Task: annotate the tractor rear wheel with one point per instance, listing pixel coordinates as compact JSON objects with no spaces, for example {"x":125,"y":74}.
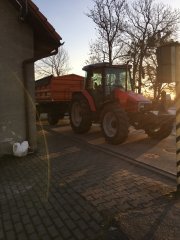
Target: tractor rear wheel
{"x":114,"y":124}
{"x":80,"y":115}
{"x":160,"y":132}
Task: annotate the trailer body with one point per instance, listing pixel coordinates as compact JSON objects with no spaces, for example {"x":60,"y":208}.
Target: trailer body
{"x":53,"y":95}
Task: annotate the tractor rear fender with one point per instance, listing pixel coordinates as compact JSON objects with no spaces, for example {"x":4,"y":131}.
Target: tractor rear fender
{"x":88,"y":98}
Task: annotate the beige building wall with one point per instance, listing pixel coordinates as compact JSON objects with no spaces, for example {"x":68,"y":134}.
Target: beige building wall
{"x":16,"y":45}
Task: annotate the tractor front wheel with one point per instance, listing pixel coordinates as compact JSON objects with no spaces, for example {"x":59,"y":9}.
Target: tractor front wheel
{"x":114,"y":124}
{"x":160,"y":132}
{"x":80,"y":115}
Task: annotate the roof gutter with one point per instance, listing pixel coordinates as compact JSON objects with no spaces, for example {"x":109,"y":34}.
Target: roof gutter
{"x":23,"y":10}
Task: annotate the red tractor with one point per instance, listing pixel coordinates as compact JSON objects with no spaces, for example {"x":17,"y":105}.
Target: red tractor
{"x":108,"y":98}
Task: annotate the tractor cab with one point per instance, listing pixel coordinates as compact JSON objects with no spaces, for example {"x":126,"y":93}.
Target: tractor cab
{"x":102,"y":79}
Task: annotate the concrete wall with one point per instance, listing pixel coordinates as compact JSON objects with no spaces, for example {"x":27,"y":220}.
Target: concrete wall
{"x":16,"y":45}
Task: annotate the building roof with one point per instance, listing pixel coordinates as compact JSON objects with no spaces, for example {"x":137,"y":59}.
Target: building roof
{"x":46,"y":39}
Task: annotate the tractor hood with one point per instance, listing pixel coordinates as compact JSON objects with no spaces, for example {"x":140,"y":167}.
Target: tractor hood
{"x":137,"y":97}
{"x":131,"y":101}
{"x":137,"y":102}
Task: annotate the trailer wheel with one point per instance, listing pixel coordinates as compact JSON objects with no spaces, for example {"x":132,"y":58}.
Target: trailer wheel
{"x":160,"y":132}
{"x":53,"y":118}
{"x":80,"y":115}
{"x":114,"y":124}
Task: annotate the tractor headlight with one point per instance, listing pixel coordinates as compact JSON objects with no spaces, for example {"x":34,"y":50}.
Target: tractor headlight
{"x":144,"y":106}
{"x":140,"y":106}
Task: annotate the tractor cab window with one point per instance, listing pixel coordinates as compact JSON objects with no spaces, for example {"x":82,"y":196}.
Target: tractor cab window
{"x":94,"y":81}
{"x":116,"y":78}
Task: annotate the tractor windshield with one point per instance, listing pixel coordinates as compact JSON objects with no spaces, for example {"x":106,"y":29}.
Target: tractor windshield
{"x":118,"y":77}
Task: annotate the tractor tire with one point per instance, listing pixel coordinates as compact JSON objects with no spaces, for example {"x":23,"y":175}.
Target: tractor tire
{"x":53,"y":118}
{"x":114,"y":124}
{"x":80,"y":115}
{"x":160,"y":132}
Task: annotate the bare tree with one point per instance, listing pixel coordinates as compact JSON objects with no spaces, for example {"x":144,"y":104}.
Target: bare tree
{"x":108,"y":15}
{"x":132,"y":36}
{"x":56,"y":65}
{"x":96,"y":52}
{"x":150,"y":24}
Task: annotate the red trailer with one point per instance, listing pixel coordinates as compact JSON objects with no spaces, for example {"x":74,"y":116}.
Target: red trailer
{"x":53,"y":95}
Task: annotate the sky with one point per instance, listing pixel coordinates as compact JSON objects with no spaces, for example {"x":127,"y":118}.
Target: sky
{"x":69,"y":19}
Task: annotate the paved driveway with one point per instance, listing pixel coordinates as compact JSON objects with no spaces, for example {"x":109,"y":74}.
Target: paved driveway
{"x":91,"y":195}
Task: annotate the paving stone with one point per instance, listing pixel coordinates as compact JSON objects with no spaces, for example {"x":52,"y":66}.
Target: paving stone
{"x":61,"y":238}
{"x":68,"y":208}
{"x":36,"y":220}
{"x":78,"y":234}
{"x":33,"y":236}
{"x":14,"y":211}
{"x":74,"y":216}
{"x":48,"y":206}
{"x":8,"y":225}
{"x":45,"y":237}
{"x":53,"y":231}
{"x":29,"y":204}
{"x":94,"y":226}
{"x":70,"y":224}
{"x":23,"y":211}
{"x":42,"y":213}
{"x":86,"y":217}
{"x":4,"y":209}
{"x":6,"y":216}
{"x":63,"y":215}
{"x":26,"y":219}
{"x":29,"y":228}
{"x":2,"y":234}
{"x":19,"y":227}
{"x":20,"y":204}
{"x":58,"y":222}
{"x":97,"y":216}
{"x":41,"y":229}
{"x":47,"y":221}
{"x":61,"y":202}
{"x":32,"y":212}
{"x":90,"y":234}
{"x":52,"y":213}
{"x":82,"y":224}
{"x":10,"y":235}
{"x":65,"y":232}
{"x":79,"y":209}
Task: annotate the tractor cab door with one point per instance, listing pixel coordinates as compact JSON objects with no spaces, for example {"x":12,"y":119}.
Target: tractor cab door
{"x":117,"y":78}
{"x":102,"y":80}
{"x":94,"y":86}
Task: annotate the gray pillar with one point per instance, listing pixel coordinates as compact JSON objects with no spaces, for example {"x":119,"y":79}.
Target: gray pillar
{"x":30,"y":105}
